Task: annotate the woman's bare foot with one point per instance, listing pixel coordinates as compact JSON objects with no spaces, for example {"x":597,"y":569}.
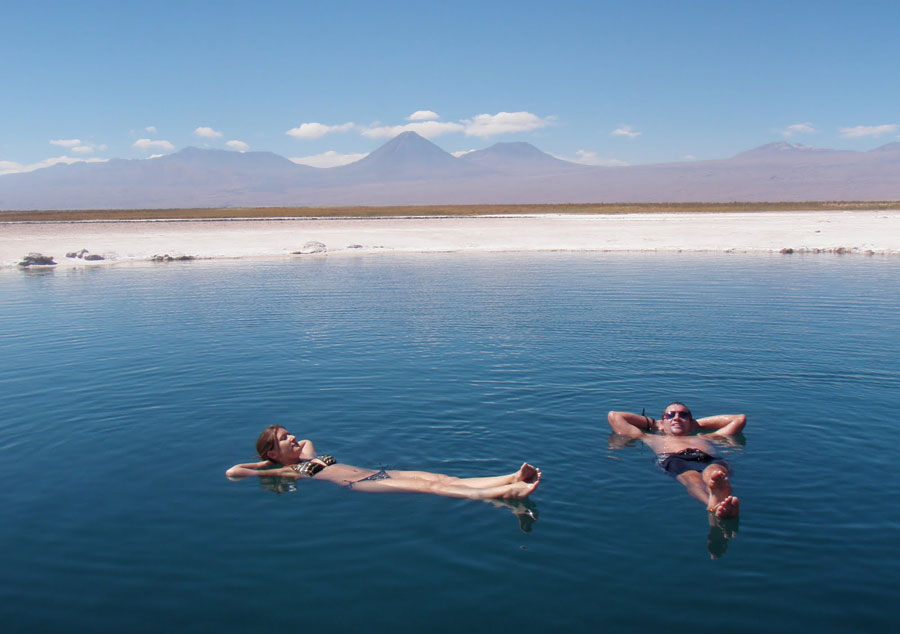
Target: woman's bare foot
{"x":518,"y":490}
{"x":527,"y":473}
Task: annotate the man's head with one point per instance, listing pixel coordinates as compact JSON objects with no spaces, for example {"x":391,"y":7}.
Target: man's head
{"x":677,"y":419}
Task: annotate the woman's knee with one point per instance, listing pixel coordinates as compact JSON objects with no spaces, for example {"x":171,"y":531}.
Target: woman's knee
{"x":439,"y":478}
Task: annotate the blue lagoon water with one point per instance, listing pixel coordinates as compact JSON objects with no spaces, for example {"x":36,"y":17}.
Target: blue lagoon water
{"x":128,"y":390}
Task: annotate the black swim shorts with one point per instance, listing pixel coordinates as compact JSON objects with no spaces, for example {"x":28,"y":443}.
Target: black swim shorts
{"x":686,"y":460}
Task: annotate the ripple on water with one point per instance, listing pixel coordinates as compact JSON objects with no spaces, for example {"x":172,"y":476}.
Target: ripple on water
{"x":140,"y":385}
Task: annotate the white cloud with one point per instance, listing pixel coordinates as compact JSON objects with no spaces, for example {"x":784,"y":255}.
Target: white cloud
{"x":869,"y":130}
{"x":77,"y":146}
{"x":626,"y":130}
{"x":150,"y":129}
{"x":690,"y":157}
{"x":205,"y":132}
{"x":798,"y":128}
{"x":428,"y":129}
{"x":240,"y":146}
{"x":11,"y":167}
{"x":328,"y":159}
{"x":504,"y":123}
{"x":423,"y":115}
{"x":65,"y":142}
{"x":313,"y":130}
{"x":461,"y":153}
{"x":586,"y":157}
{"x":425,"y":124}
{"x":148,"y":144}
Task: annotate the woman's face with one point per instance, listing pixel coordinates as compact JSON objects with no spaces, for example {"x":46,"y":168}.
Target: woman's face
{"x":287,"y":449}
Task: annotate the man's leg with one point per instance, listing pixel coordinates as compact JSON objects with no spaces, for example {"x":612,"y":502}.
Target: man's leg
{"x":713,"y":488}
{"x":696,"y":487}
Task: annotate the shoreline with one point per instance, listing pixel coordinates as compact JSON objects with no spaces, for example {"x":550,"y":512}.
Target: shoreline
{"x":868,"y":232}
{"x":406,"y":211}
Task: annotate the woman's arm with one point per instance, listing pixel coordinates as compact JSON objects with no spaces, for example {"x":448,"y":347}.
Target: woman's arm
{"x":258,"y":469}
{"x":724,"y":424}
{"x":628,"y":424}
{"x":307,"y":449}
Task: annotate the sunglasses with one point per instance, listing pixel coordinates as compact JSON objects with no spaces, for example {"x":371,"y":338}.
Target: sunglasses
{"x":671,"y":415}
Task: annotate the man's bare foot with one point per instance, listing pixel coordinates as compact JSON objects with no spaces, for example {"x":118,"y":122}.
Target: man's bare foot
{"x":729,"y":507}
{"x":527,"y":473}
{"x":719,"y":486}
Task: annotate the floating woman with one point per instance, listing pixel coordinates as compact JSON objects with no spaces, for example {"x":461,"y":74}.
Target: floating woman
{"x":283,"y":455}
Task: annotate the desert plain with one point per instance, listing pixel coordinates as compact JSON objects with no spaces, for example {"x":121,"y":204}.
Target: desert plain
{"x":145,"y":235}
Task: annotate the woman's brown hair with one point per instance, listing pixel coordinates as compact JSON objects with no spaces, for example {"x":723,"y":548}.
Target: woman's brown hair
{"x":267,"y":441}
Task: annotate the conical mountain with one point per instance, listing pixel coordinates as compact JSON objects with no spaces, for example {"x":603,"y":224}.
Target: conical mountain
{"x":408,"y":156}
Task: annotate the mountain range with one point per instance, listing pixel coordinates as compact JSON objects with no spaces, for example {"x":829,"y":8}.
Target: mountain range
{"x":410,"y":170}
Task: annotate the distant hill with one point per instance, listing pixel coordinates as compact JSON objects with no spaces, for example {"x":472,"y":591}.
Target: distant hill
{"x":789,"y":151}
{"x":518,"y":158}
{"x":890,"y":147}
{"x":410,"y":170}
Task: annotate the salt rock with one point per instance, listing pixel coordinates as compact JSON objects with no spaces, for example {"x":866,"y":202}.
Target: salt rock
{"x":311,"y":247}
{"x":37,"y":259}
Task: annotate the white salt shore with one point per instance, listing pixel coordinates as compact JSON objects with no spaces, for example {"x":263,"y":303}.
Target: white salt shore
{"x":863,"y":232}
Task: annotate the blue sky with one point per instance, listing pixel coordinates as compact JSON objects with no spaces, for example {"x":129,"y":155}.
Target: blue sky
{"x":598,"y":82}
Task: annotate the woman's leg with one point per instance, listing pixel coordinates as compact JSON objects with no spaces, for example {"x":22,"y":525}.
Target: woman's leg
{"x":526,"y":473}
{"x":401,"y":482}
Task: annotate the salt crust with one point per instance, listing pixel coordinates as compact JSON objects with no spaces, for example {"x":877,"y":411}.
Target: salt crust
{"x":846,"y":232}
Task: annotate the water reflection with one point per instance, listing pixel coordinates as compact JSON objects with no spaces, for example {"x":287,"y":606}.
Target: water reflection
{"x":525,"y":511}
{"x":275,"y":484}
{"x":37,"y":271}
{"x":721,"y":530}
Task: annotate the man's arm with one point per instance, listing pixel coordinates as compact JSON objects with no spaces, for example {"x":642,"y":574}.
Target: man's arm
{"x":628,"y":424}
{"x":723,"y":424}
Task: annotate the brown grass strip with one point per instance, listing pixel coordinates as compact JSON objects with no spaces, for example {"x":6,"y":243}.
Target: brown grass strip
{"x":433,"y":210}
